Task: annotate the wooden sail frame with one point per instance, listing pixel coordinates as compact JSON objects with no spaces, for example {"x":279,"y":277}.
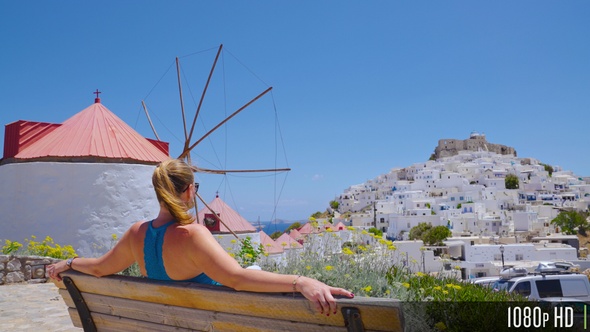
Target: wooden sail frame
{"x":188,"y":147}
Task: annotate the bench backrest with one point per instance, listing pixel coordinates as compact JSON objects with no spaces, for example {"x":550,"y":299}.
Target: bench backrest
{"x":121,"y":303}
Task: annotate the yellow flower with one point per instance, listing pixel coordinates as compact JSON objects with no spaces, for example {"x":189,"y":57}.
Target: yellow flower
{"x":232,"y":254}
{"x":367,"y":289}
{"x":233,"y":241}
{"x":364,"y":232}
{"x":350,"y":228}
{"x":308,"y":267}
{"x":392,"y":247}
{"x":347,"y":251}
{"x":445,"y":292}
{"x":329,"y":230}
{"x":269,"y":245}
{"x":114,"y":237}
{"x":440,"y":326}
{"x":457,"y":267}
{"x":248,"y":255}
{"x":284,"y":244}
{"x":437,"y":288}
{"x":387,"y":292}
{"x":329,"y":267}
{"x":457,"y":287}
{"x":405,"y":284}
{"x":420,"y":274}
{"x":449,"y":285}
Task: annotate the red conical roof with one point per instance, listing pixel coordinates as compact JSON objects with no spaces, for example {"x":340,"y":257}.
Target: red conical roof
{"x":287,"y":242}
{"x":270,"y":246}
{"x":94,"y":132}
{"x":230,"y":217}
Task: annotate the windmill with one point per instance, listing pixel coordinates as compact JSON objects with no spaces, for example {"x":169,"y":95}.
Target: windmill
{"x":190,"y":143}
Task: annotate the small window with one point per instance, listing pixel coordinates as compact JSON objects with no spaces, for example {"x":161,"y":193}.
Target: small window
{"x":574,"y":287}
{"x":518,"y":257}
{"x":523,"y":288}
{"x":549,"y":288}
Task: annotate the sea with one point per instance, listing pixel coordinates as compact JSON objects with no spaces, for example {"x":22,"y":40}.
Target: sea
{"x":270,"y":227}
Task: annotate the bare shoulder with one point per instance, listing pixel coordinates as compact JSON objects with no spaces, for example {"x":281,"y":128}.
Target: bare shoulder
{"x":195,"y":229}
{"x":138,"y":227}
{"x":195,"y":233}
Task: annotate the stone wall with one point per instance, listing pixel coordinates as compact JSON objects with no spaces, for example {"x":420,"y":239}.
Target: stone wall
{"x":448,"y":147}
{"x":17,"y":269}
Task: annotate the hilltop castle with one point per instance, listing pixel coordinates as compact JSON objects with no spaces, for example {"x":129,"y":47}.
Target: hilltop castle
{"x":448,"y":147}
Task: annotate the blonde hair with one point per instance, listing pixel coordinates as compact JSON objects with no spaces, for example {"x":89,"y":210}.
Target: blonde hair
{"x":170,"y":179}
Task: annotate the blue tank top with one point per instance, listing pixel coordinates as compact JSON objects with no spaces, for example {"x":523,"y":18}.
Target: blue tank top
{"x":152,"y":256}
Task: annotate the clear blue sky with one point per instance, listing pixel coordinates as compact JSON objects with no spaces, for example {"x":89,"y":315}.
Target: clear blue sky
{"x":358,"y":87}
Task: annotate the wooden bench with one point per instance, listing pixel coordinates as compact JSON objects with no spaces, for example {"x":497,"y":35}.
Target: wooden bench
{"x":120,"y":303}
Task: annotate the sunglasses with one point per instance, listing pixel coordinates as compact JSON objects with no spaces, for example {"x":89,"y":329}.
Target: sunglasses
{"x":196,"y":184}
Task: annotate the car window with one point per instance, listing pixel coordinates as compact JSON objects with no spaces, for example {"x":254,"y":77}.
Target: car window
{"x":549,"y":288}
{"x":574,"y":287}
{"x":502,"y":285}
{"x":523,"y":288}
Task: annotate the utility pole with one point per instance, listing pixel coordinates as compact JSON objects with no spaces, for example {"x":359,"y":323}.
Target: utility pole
{"x":375,"y":214}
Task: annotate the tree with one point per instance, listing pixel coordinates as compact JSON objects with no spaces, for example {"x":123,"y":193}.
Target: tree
{"x":571,"y":221}
{"x":295,"y":225}
{"x":511,"y":181}
{"x":276,"y":235}
{"x":334,"y":205}
{"x":417,"y":231}
{"x":548,"y":168}
{"x":436,"y":235}
{"x":428,"y":234}
{"x":316,"y":215}
{"x":376,"y":231}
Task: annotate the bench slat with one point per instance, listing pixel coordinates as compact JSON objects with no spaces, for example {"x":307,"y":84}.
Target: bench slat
{"x":193,"y":319}
{"x":171,"y":299}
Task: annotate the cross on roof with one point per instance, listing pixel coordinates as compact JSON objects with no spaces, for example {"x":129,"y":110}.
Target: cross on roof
{"x":97,"y":99}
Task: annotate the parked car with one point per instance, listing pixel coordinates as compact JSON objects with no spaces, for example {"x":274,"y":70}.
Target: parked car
{"x":547,"y":284}
{"x":484,"y":281}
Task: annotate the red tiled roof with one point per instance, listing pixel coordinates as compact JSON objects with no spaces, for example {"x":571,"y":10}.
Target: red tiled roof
{"x":307,"y":229}
{"x":339,"y":226}
{"x":287,"y":242}
{"x":295,"y":234}
{"x":94,"y":132}
{"x":230,"y":217}
{"x":270,"y":246}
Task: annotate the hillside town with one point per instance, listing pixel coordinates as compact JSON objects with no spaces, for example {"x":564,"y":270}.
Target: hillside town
{"x":463,"y":188}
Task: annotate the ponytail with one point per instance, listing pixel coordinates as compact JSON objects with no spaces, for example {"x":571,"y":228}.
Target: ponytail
{"x":170,"y":178}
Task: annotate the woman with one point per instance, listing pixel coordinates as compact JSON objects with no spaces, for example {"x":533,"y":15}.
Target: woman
{"x":173,"y":247}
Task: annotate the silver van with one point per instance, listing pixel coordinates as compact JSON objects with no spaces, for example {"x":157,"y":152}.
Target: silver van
{"x":545,"y":286}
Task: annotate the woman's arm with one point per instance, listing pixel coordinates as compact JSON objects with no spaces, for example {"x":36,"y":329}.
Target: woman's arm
{"x":115,"y":260}
{"x":220,"y":266}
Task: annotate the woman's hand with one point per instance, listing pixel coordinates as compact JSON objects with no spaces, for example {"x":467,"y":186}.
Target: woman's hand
{"x":53,"y":270}
{"x":320,"y":294}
